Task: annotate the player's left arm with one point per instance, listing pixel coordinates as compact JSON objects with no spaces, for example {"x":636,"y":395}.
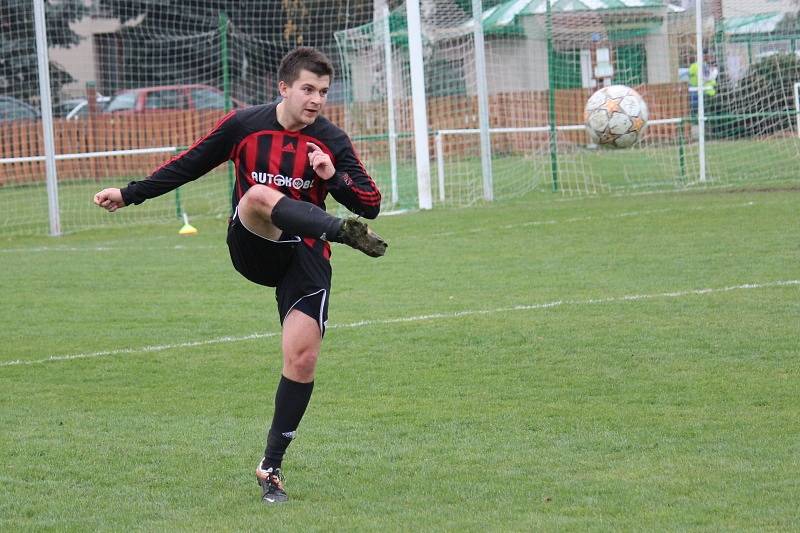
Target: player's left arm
{"x":203,"y":156}
{"x":351,"y":185}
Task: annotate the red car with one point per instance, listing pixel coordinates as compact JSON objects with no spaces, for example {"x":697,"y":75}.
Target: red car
{"x":169,"y":97}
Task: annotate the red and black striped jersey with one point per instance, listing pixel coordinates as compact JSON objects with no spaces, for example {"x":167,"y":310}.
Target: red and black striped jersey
{"x":264,"y":152}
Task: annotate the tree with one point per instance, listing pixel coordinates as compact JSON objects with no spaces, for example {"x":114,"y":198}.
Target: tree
{"x":18,"y":60}
{"x":761,"y":103}
{"x":286,"y":22}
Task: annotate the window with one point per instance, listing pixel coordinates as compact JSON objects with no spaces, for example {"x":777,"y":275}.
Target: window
{"x":445,"y":77}
{"x":165,"y":99}
{"x":6,"y":110}
{"x":630,"y":65}
{"x":14,"y":110}
{"x":567,"y":69}
{"x":62,"y":109}
{"x":208,"y":99}
{"x":122,"y":102}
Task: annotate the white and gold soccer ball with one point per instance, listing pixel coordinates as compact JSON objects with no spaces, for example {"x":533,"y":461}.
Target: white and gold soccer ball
{"x":615,"y":116}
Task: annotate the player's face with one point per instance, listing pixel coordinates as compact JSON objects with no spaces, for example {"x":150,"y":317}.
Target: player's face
{"x":303,"y":100}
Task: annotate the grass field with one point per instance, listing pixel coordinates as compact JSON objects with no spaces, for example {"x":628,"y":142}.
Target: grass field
{"x":603,"y":363}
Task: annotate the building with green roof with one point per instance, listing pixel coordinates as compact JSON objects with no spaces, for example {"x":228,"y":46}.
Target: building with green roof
{"x":636,"y":34}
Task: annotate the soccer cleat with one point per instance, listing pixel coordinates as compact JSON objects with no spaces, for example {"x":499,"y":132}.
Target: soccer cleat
{"x":356,"y":234}
{"x":271,"y":482}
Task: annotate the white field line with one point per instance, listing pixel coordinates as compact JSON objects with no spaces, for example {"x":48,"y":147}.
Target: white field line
{"x":38,"y":249}
{"x":417,"y":318}
{"x":626,"y":214}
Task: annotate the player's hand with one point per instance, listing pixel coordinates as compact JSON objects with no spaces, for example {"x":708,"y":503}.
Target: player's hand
{"x":109,"y":199}
{"x":320,"y":162}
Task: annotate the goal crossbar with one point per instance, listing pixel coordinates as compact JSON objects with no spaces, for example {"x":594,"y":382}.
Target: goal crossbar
{"x":90,"y":155}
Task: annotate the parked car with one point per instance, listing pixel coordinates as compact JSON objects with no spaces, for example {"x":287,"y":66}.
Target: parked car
{"x":14,"y":109}
{"x":168,"y":97}
{"x":75,"y":108}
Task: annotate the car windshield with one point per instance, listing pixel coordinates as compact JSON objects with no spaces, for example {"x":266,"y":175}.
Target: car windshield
{"x":62,"y":109}
{"x":165,"y":99}
{"x":13,"y":110}
{"x":122,"y":102}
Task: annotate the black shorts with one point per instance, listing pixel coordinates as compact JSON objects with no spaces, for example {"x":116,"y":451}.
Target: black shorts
{"x":301,"y":276}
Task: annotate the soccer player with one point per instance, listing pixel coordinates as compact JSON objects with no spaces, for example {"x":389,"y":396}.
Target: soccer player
{"x":287,"y":159}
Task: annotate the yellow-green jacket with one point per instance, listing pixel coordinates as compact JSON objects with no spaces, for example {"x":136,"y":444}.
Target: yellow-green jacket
{"x":709,"y":85}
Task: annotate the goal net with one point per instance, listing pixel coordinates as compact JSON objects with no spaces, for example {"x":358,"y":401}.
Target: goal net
{"x":542,"y":64}
{"x":150,"y":78}
{"x":134,"y":83}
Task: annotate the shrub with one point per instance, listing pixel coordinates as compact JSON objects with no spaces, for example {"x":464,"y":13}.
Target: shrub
{"x":761,"y":103}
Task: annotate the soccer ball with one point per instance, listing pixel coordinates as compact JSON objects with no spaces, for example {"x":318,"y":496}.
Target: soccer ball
{"x":615,"y":116}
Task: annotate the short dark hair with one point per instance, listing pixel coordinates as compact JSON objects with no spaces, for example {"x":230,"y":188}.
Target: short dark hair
{"x":304,"y":58}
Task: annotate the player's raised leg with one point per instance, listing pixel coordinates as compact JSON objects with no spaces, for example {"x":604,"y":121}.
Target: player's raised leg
{"x":358,"y":235}
{"x":268,"y":212}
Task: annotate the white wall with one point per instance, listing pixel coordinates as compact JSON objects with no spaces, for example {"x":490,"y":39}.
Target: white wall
{"x":741,"y":8}
{"x":79,"y":60}
{"x":658,"y":52}
{"x":508,"y":67}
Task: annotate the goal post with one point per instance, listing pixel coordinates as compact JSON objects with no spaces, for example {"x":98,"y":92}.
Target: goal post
{"x":47,"y":118}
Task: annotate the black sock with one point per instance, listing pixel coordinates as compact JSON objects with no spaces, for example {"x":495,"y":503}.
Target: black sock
{"x":305,"y":219}
{"x":291,"y":400}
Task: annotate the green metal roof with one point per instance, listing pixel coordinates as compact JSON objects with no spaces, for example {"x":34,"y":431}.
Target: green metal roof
{"x":506,"y":13}
{"x":760,"y":23}
{"x":504,"y":18}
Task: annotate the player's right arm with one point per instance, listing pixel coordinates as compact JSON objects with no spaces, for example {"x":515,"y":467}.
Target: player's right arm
{"x":203,"y":156}
{"x":109,"y":199}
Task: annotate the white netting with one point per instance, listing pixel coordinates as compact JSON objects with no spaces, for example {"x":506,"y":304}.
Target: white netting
{"x":152,"y":77}
{"x":541,"y":67}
